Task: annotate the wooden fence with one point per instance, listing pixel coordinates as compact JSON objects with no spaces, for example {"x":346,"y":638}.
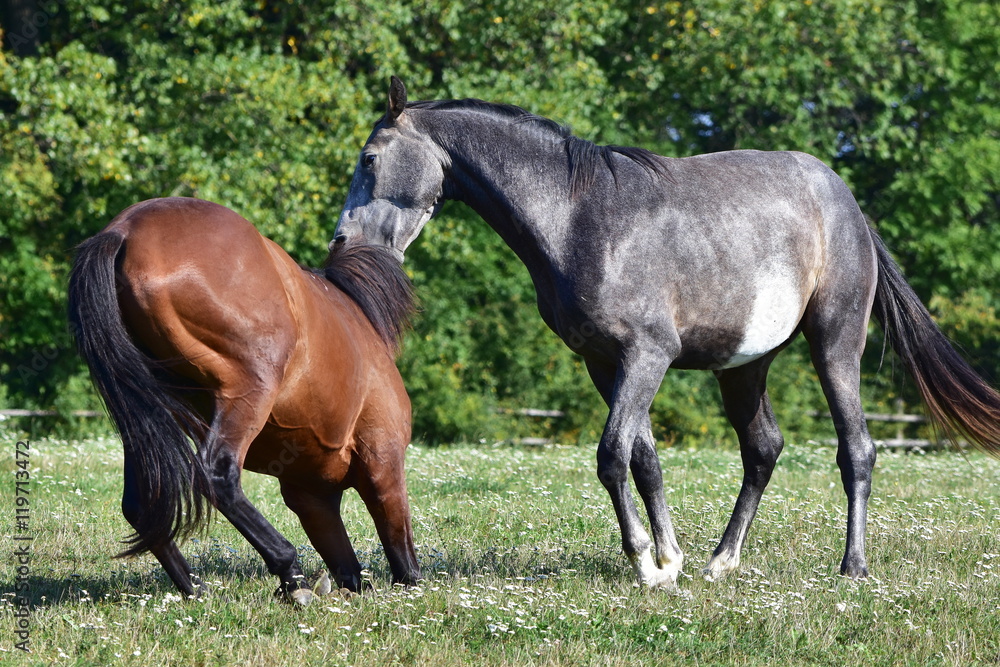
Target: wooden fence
{"x":14,"y":412}
{"x":899,"y":442}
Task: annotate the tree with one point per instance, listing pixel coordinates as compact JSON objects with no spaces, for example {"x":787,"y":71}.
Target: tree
{"x":264,"y":107}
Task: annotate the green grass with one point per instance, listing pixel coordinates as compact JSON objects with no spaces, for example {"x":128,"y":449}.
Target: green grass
{"x":523,"y":565}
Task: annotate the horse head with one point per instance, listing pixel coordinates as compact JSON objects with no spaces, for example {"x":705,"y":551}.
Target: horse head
{"x":398,"y":182}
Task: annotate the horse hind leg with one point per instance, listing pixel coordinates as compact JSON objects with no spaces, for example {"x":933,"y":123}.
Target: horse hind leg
{"x":836,"y":344}
{"x":167,"y":553}
{"x":840,"y":380}
{"x":229,"y":436}
{"x":748,"y":408}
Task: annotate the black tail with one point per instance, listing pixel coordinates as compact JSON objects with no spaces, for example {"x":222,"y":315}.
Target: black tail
{"x":960,"y":402}
{"x":156,"y":427}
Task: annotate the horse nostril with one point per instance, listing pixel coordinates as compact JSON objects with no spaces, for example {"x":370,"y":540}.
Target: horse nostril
{"x":339,"y":239}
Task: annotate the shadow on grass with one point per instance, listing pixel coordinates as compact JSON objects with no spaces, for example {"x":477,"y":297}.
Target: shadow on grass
{"x":218,"y":563}
{"x":525,"y":563}
{"x":211,"y":560}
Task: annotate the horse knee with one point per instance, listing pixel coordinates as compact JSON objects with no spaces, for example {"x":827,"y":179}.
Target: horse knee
{"x":858,"y":456}
{"x":764,"y":456}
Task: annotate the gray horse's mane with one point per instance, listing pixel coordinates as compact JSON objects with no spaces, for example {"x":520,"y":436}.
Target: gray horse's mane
{"x":584,"y":157}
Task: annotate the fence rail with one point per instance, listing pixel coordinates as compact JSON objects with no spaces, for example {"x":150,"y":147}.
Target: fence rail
{"x":16,"y":412}
{"x":899,"y":442}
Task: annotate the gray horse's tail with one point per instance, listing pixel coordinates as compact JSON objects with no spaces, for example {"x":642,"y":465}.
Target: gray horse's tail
{"x":960,"y":402}
{"x":156,"y":427}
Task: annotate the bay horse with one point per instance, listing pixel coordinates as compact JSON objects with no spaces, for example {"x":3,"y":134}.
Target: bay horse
{"x":642,"y":262}
{"x":215,"y":352}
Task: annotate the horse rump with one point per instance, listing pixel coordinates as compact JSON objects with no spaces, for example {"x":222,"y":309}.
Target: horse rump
{"x":157,"y":428}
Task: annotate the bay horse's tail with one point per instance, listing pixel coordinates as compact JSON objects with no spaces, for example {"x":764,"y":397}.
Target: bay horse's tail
{"x":155,"y":425}
{"x":960,"y":402}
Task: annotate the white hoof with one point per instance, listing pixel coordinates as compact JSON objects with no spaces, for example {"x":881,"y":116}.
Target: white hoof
{"x":653,"y":576}
{"x":719,"y":566}
{"x":301,"y":596}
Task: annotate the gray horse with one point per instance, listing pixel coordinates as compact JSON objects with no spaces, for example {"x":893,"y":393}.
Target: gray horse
{"x":642,"y":262}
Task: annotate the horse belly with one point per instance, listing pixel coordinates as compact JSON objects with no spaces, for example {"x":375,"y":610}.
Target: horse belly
{"x":774,"y":317}
{"x":297,"y":454}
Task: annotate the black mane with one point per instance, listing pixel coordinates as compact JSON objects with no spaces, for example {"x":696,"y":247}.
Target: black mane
{"x":584,"y":156}
{"x":374,"y":279}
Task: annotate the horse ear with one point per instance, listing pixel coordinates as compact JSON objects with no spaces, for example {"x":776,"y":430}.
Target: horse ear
{"x":397,"y":99}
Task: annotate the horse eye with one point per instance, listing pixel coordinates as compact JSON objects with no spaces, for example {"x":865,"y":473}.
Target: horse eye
{"x":368,"y":160}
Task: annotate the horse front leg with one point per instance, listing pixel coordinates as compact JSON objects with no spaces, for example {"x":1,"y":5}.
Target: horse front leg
{"x":648,"y":476}
{"x":383,"y":491}
{"x":627,"y":444}
{"x":319,"y":514}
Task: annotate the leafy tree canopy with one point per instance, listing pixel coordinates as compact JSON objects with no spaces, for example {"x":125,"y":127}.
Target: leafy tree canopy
{"x":263,"y":107}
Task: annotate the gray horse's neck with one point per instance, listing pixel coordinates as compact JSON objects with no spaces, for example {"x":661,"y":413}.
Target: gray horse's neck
{"x":517,"y":182}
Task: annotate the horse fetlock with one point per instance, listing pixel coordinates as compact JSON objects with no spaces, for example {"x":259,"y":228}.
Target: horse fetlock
{"x":668,"y":555}
{"x":410,"y":578}
{"x":348,"y":580}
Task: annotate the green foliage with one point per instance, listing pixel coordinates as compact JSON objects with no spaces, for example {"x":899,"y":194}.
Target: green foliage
{"x":973,"y":321}
{"x":264,"y":106}
{"x":479,"y":349}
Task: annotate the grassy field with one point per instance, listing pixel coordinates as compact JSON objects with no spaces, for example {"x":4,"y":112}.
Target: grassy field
{"x":523,"y":565}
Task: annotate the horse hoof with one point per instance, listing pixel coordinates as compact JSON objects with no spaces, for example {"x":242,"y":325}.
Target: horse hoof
{"x":854,"y":567}
{"x":653,"y":576}
{"x":657,"y":579}
{"x":719,"y":566}
{"x":665,"y":584}
{"x":199,"y":589}
{"x":856,"y":573}
{"x":323,"y":587}
{"x":301,"y":597}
